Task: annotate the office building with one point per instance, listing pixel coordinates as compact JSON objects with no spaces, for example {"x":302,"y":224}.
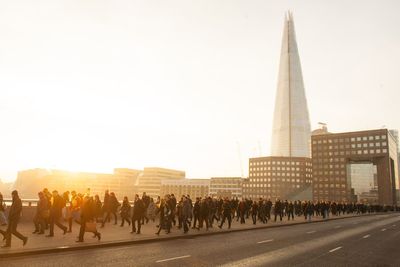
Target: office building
{"x":192,"y":187}
{"x":149,"y":180}
{"x":355,"y":166}
{"x":279,"y":178}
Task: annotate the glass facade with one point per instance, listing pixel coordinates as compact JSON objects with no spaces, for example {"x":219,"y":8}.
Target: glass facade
{"x":363,"y":181}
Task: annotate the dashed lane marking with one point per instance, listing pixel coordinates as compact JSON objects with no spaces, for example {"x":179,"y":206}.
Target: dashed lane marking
{"x":311,"y":232}
{"x":332,"y":250}
{"x":174,"y":258}
{"x":383,"y":230}
{"x":366,"y":236}
{"x":265,"y":241}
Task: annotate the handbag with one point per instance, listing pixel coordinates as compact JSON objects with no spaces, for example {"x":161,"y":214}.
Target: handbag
{"x":91,"y":227}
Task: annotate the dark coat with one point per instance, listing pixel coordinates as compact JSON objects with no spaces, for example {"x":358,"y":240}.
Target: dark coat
{"x":42,"y":206}
{"x":113,"y":204}
{"x":138,"y":209}
{"x":56,"y":208}
{"x":15,"y":210}
{"x":196,"y":208}
{"x":125,"y":209}
{"x":87,"y":210}
{"x":204,"y":209}
{"x":106,"y":203}
{"x":227,"y":208}
{"x":98,"y":209}
{"x":186,"y":209}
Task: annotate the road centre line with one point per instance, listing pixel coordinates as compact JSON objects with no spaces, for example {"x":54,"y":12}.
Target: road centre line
{"x":311,"y":232}
{"x":174,"y":258}
{"x":366,"y":236}
{"x":265,"y":241}
{"x":332,"y":250}
{"x":383,"y":230}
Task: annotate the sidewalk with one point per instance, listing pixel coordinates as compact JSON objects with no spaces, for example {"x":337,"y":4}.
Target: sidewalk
{"x":114,"y":235}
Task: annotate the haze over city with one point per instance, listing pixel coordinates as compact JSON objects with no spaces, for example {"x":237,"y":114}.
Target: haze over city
{"x":180,"y":84}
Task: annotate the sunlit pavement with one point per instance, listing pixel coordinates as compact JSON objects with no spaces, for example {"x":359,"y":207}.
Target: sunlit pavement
{"x":358,"y":241}
{"x":116,"y":235}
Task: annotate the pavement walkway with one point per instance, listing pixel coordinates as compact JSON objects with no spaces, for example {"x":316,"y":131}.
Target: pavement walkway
{"x":114,"y":235}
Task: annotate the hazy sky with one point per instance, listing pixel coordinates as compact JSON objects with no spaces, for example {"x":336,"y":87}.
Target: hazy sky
{"x":93,"y":84}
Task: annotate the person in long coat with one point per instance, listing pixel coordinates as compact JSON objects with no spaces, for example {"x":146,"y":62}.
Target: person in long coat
{"x":125,"y":212}
{"x":165,"y":217}
{"x":42,"y":212}
{"x":152,"y":210}
{"x":13,"y":220}
{"x":57,"y":204}
{"x":186,"y":214}
{"x":87,"y":215}
{"x":138,"y":211}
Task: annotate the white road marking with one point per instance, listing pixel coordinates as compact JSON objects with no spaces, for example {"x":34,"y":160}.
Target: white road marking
{"x":366,"y":236}
{"x":383,"y":230}
{"x":265,"y":241}
{"x":332,"y":250}
{"x":337,"y":227}
{"x":311,"y":232}
{"x":273,"y":257}
{"x":63,"y":247}
{"x":174,"y":258}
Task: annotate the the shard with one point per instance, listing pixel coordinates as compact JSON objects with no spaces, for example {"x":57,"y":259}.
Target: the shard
{"x":291,"y":126}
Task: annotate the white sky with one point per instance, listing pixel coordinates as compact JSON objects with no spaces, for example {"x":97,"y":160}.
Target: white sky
{"x":93,"y":84}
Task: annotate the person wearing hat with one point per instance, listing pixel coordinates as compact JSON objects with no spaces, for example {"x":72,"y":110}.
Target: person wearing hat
{"x":13,"y":220}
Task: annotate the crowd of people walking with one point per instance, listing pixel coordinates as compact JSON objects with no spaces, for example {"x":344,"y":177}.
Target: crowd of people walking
{"x":88,"y":212}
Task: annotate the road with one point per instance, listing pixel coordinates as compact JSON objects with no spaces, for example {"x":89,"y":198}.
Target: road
{"x":360,"y":241}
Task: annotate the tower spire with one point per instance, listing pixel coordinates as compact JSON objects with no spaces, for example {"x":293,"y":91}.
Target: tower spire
{"x":291,"y":126}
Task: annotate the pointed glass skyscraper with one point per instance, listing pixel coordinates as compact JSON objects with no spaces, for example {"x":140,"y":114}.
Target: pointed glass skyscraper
{"x":291,"y":127}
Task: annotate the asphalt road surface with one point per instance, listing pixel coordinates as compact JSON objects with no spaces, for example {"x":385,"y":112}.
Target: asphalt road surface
{"x":361,"y":241}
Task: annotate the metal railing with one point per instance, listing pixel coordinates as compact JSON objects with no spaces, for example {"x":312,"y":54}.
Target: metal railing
{"x":31,"y":202}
